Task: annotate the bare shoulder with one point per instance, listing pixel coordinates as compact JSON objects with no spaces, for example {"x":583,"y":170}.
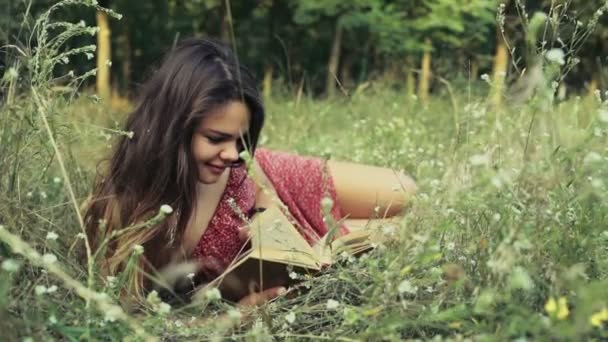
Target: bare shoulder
{"x":360,"y":188}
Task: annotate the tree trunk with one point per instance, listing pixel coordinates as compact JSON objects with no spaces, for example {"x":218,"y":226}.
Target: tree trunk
{"x":499,"y":73}
{"x":125,"y":43}
{"x":425,"y":74}
{"x":410,"y":79}
{"x":104,"y":54}
{"x":334,"y":61}
{"x":225,"y":27}
{"x":267,"y":84}
{"x":474,"y":72}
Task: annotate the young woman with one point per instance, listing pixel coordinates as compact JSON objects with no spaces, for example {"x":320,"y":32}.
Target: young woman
{"x":194,"y":117}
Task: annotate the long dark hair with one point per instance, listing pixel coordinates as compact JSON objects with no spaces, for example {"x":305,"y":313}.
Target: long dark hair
{"x":154,"y":166}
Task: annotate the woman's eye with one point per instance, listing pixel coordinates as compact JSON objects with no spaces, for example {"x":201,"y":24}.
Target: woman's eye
{"x":215,"y":140}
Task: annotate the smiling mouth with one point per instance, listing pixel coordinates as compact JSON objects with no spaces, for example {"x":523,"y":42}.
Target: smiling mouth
{"x":215,"y":168}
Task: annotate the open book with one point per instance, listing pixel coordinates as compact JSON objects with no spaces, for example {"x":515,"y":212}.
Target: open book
{"x":276,"y":248}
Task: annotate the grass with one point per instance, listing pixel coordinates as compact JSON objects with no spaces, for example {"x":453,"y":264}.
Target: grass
{"x":506,"y":239}
{"x":511,"y":212}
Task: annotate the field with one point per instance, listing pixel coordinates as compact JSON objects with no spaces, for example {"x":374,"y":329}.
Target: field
{"x":506,"y":240}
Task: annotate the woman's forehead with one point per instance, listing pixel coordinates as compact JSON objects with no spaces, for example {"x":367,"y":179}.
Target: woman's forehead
{"x":232,"y":118}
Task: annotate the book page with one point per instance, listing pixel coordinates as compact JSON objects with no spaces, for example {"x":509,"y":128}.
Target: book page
{"x":272,"y":231}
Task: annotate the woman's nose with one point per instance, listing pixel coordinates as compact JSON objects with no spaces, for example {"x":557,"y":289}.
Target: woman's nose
{"x":230,"y":153}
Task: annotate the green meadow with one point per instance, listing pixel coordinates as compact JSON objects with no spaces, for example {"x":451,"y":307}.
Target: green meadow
{"x":506,"y":239}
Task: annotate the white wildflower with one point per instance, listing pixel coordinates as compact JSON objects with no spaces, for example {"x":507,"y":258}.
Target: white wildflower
{"x":213,"y":294}
{"x":486,"y":78}
{"x":293,"y":275}
{"x":479,"y":159}
{"x":166,"y":209}
{"x":556,"y":56}
{"x":43,"y":195}
{"x":56,"y":180}
{"x":52,"y":319}
{"x":190,"y":275}
{"x":406,"y":287}
{"x":234,"y":315}
{"x":51,"y":289}
{"x":138,"y":249}
{"x":592,"y":157}
{"x":450,"y":246}
{"x":290,"y":317}
{"x":327,"y":203}
{"x":49,"y":258}
{"x":130,"y":134}
{"x":10,"y":265}
{"x":332,"y":304}
{"x":389,"y":229}
{"x":111,"y":281}
{"x":113,"y":313}
{"x":51,"y":236}
{"x":163,"y":308}
{"x":603,"y":115}
{"x":39,"y":290}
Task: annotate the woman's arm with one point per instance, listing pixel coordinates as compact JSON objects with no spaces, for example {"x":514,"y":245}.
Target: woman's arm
{"x":361,"y":188}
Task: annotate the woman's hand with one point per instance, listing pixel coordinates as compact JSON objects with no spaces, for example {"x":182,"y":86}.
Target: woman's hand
{"x":259,"y":298}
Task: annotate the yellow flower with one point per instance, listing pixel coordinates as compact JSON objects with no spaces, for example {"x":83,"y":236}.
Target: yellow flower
{"x":551,"y":306}
{"x":558,"y":309}
{"x":562,"y":308}
{"x":598,"y":318}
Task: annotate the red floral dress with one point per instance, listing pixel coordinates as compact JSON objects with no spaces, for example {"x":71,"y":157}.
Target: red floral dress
{"x":300,"y":184}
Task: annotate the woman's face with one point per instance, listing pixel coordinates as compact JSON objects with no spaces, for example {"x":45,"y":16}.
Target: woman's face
{"x":217,"y":140}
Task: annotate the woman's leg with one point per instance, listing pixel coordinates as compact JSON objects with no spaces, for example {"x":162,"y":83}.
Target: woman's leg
{"x":366,"y":191}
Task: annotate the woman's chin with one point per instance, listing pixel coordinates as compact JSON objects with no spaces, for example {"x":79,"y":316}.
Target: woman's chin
{"x":207,"y":177}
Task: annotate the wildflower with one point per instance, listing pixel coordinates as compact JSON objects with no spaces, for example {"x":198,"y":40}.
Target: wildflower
{"x":486,"y":78}
{"x":327,"y":203}
{"x":557,"y":309}
{"x":603,"y":115}
{"x":10,"y":265}
{"x":138,"y":249}
{"x":111,"y":281}
{"x":479,"y":159}
{"x":213,"y":294}
{"x":130,"y":134}
{"x":234,"y":315}
{"x":43,"y":195}
{"x":56,"y":180}
{"x":293,"y":275}
{"x":592,"y":157}
{"x":190,"y":275}
{"x":51,"y":289}
{"x":51,"y":236}
{"x":39,"y":290}
{"x":153,"y":299}
{"x":163,"y":308}
{"x":598,"y":318}
{"x":81,"y":236}
{"x":556,"y":56}
{"x":166,"y":209}
{"x":407,"y":287}
{"x":332,"y":304}
{"x":49,"y":258}
{"x":290,"y":317}
{"x":113,"y":313}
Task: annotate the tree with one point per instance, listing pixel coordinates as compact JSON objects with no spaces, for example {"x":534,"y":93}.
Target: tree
{"x":104,"y":52}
